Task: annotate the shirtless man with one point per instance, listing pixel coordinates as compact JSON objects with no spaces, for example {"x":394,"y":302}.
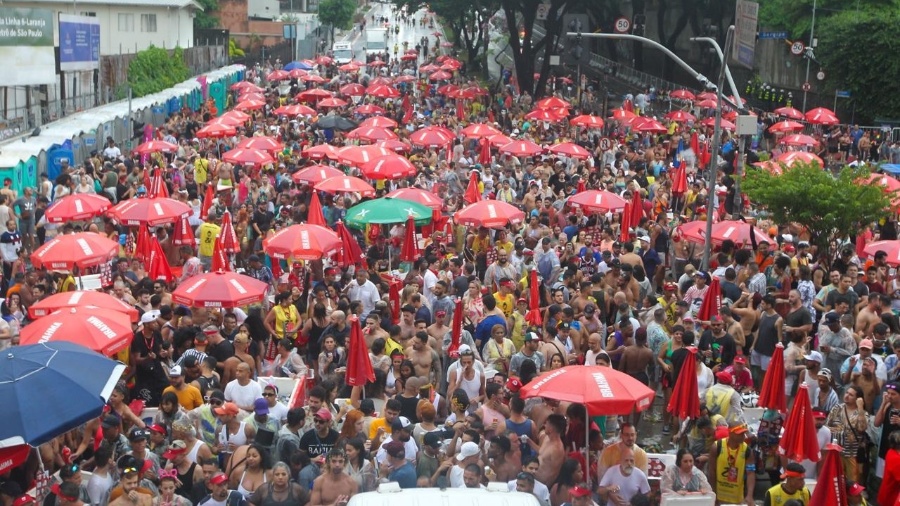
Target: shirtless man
{"x":437,"y":331}
{"x":733,"y":327}
{"x":407,"y":323}
{"x":333,"y":487}
{"x":581,"y":299}
{"x":551,"y":452}
{"x":868,"y":317}
{"x":241,"y":346}
{"x":426,"y":361}
{"x":743,"y":309}
{"x":636,"y":358}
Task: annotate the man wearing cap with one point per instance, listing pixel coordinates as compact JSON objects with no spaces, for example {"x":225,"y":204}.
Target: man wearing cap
{"x":401,"y":431}
{"x":232,"y":431}
{"x":261,"y":418}
{"x":334,"y":486}
{"x":732,"y":471}
{"x":150,"y":374}
{"x":740,"y":373}
{"x":220,"y":494}
{"x":723,"y":399}
{"x":189,"y":472}
{"x":853,"y":366}
{"x":396,"y":466}
{"x":836,"y":342}
{"x":793,"y":486}
{"x":138,"y":438}
{"x":529,"y":351}
{"x":189,"y":396}
{"x":717,"y":346}
{"x":428,"y":462}
{"x":129,"y":492}
{"x":24,"y":500}
{"x":469,"y":453}
{"x":826,"y":397}
{"x":113,"y":437}
{"x":321,"y":439}
{"x":855,"y":494}
{"x":888,"y":418}
{"x":823,"y":436}
{"x":649,"y":257}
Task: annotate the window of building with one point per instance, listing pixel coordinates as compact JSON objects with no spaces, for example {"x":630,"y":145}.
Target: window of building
{"x":148,"y":22}
{"x":126,"y":22}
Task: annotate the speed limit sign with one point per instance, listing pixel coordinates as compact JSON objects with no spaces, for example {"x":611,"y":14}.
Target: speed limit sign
{"x":605,"y":144}
{"x":797,"y":48}
{"x":622,"y":25}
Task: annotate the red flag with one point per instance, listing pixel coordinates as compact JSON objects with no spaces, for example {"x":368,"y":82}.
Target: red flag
{"x":184,"y":233}
{"x":407,"y":109}
{"x":624,"y":222}
{"x":695,"y":143}
{"x":207,"y":201}
{"x":472,"y":194}
{"x":799,"y":441}
{"x":772,"y":393}
{"x":359,"y":367}
{"x":637,"y":209}
{"x":315,"y":216}
{"x":159,"y":264}
{"x":410,"y":250}
{"x":679,"y":180}
{"x":685,"y":400}
{"x":534,"y":317}
{"x":712,"y":301}
{"x":456,"y":330}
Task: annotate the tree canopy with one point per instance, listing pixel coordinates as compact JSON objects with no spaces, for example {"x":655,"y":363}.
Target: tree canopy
{"x":830,"y":208}
{"x":337,"y":13}
{"x":207,"y":17}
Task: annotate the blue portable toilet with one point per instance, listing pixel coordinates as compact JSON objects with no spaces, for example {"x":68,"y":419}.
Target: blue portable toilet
{"x":55,"y":155}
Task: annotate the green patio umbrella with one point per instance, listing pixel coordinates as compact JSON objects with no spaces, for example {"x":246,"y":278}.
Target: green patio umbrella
{"x":387,"y":210}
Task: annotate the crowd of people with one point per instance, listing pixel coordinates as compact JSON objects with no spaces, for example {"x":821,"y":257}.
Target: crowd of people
{"x":611,"y":294}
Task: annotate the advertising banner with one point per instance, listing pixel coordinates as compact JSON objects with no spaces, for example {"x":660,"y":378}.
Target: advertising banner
{"x":26,"y":46}
{"x":79,"y":43}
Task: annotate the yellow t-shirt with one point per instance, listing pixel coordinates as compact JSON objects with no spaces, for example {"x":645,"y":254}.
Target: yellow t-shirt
{"x":379,"y":423}
{"x":208,"y":232}
{"x":189,"y":397}
{"x":201,"y":171}
{"x":506,"y":304}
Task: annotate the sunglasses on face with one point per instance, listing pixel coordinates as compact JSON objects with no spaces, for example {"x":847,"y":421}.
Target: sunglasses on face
{"x":268,"y":394}
{"x":319,"y":420}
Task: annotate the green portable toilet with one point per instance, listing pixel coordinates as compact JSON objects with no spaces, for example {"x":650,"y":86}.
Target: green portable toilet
{"x":218,"y":93}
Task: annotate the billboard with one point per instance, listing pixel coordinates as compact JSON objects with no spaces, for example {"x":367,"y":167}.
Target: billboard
{"x":26,"y":46}
{"x":745,"y":32}
{"x":79,"y":42}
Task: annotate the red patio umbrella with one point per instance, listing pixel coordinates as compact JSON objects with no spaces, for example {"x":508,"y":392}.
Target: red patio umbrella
{"x":376,"y":121}
{"x":359,"y":367}
{"x":534,"y":317}
{"x":603,"y":391}
{"x":250,"y":105}
{"x":346,"y":184}
{"x":430,"y":137}
{"x":821,"y":116}
{"x":155,"y":147}
{"x":295,"y":110}
{"x":786,"y":126}
{"x":799,"y":441}
{"x":570,"y":149}
{"x":370,"y":109}
{"x":799,"y":140}
{"x":712,"y":301}
{"x":221,"y":290}
{"x":545,"y":115}
{"x":183,"y":235}
{"x":597,"y":201}
{"x":332,"y":102}
{"x":208,"y":196}
{"x":737,"y":231}
{"x":685,"y":399}
{"x":456,"y":329}
{"x":382,"y":91}
{"x":315,"y":215}
{"x":724,"y":124}
{"x":240,"y":156}
{"x":410,"y":251}
{"x":440,"y":75}
{"x":479,"y":130}
{"x":82,"y":249}
{"x":240,"y":117}
{"x":315,"y":174}
{"x":314,"y":95}
{"x":371,"y":134}
{"x":351,"y":253}
{"x":220,"y":262}
{"x":103,"y":331}
{"x":358,"y":155}
{"x":394,"y":145}
{"x":772,"y":393}
{"x":216,"y":130}
{"x":321,"y":151}
{"x":150,"y":211}
{"x":708,"y":103}
{"x":252,"y":96}
{"x":490,"y":214}
{"x":312,"y":78}
{"x":648,"y":125}
{"x":159,"y":268}
{"x":388,"y":167}
{"x":230,"y":241}
{"x":277,"y":75}
{"x":831,"y":486}
{"x":680,"y":116}
{"x":77,"y":207}
{"x":682,"y":95}
{"x":303,"y":242}
{"x":157,"y":186}
{"x":81,"y":299}
{"x":14,"y":454}
{"x":587,"y":121}
{"x":792,"y":157}
{"x":261,"y":143}
{"x":521,"y":148}
{"x":891,"y":247}
{"x":622,"y":114}
{"x":789,"y":112}
{"x":426,"y":198}
{"x":552,"y":103}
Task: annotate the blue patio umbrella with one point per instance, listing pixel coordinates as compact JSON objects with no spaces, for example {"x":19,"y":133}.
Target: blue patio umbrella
{"x":297,"y":65}
{"x":892,"y":168}
{"x":48,"y":389}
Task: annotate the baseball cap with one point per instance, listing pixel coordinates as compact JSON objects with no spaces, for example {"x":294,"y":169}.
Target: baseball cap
{"x":531,"y":336}
{"x":148,"y":317}
{"x":832,"y":318}
{"x":528,"y":252}
{"x":740,"y":359}
{"x":218,"y":479}
{"x":109,"y":421}
{"x":514,"y":384}
{"x":175,"y":371}
{"x":855,"y":489}
{"x":644,"y":238}
{"x":138,"y":434}
{"x":440,"y":314}
{"x":740,"y":428}
{"x":324,"y":414}
{"x":175,"y":449}
{"x":432,"y":439}
{"x":400,"y":423}
{"x":261,"y":406}
{"x":826,"y":372}
{"x":23,"y":500}
{"x":229,"y":408}
{"x":468,"y":449}
{"x":814,"y":356}
{"x":819,"y":414}
{"x":522,"y":300}
{"x":724,"y":377}
{"x":702,"y":274}
{"x":159,"y":429}
{"x":589,"y":309}
{"x":577,"y":491}
{"x":866,"y":343}
{"x":395,"y":449}
{"x":670,"y":287}
{"x":253,"y":258}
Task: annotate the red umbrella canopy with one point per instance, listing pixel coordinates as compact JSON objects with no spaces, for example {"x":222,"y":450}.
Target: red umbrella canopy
{"x":240,"y":156}
{"x":892,"y":248}
{"x":603,"y":391}
{"x":708,"y":103}
{"x":250,"y":105}
{"x":242,"y":117}
{"x":358,"y":155}
{"x":83,"y":249}
{"x":332,"y":102}
{"x":225,"y":120}
{"x":183,"y":235}
{"x":155,"y":147}
{"x":351,"y":253}
{"x":430,"y":137}
{"x":312,"y":78}
{"x":552,"y":103}
{"x":772,"y":393}
{"x":685,"y":400}
{"x":366,"y":109}
{"x":315,"y":174}
{"x":321,"y":151}
{"x":831,"y":486}
{"x":14,"y":454}
{"x":680,"y":116}
{"x":297,"y":73}
{"x":388,"y":167}
{"x":82,"y":299}
{"x":346,"y":184}
{"x":799,"y":442}
{"x":394,"y":145}
{"x":426,"y":198}
{"x":521,"y":148}
{"x":149,"y":211}
{"x":77,"y":207}
{"x":478,"y":130}
{"x":724,"y":124}
{"x":220,"y":289}
{"x":303,"y":242}
{"x":245,"y":85}
{"x":622,"y":114}
{"x":103,"y":331}
{"x":159,"y":268}
{"x":737,"y":231}
{"x":786,"y":126}
{"x":410,"y":251}
{"x":378,"y":122}
{"x":712,"y":301}
{"x":447,"y":89}
{"x":440,"y":75}
{"x":821,"y":116}
{"x":648,"y":125}
{"x":597,"y":201}
{"x":489,"y":214}
{"x":545,"y":115}
{"x":278,"y":75}
{"x":353,"y":90}
{"x":791,"y":157}
{"x":382,"y":91}
{"x":570,"y":150}
{"x":252,"y":96}
{"x":799,"y":140}
{"x":262,"y":143}
{"x":789,"y":112}
{"x":359,"y":367}
{"x":324,"y":60}
{"x":693,"y":231}
{"x":314,"y":94}
{"x":682,"y":95}
{"x":371,"y":134}
{"x":216,"y":130}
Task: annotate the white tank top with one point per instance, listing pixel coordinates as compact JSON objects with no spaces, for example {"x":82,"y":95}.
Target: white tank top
{"x":472,"y":387}
{"x":192,"y":455}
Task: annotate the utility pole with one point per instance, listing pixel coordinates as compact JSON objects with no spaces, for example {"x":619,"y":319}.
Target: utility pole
{"x":809,"y":56}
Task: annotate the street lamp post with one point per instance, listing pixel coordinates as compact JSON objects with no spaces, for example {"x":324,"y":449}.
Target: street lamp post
{"x":812,"y":34}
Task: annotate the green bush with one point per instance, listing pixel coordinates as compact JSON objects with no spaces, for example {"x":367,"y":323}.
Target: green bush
{"x":154,"y":70}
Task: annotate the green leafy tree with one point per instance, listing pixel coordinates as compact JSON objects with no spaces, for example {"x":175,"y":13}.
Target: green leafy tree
{"x":154,"y":69}
{"x":207,"y":17}
{"x":795,"y":16}
{"x":831,"y":208}
{"x":337,"y":13}
{"x":859,"y":54}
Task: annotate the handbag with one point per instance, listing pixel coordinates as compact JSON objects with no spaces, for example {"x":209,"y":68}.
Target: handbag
{"x":862,"y":451}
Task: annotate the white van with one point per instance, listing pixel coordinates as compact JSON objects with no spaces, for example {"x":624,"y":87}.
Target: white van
{"x":343,"y":52}
{"x":495,"y":494}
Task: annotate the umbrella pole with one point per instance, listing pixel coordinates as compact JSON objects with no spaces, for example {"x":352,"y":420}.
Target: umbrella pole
{"x":587,"y":448}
